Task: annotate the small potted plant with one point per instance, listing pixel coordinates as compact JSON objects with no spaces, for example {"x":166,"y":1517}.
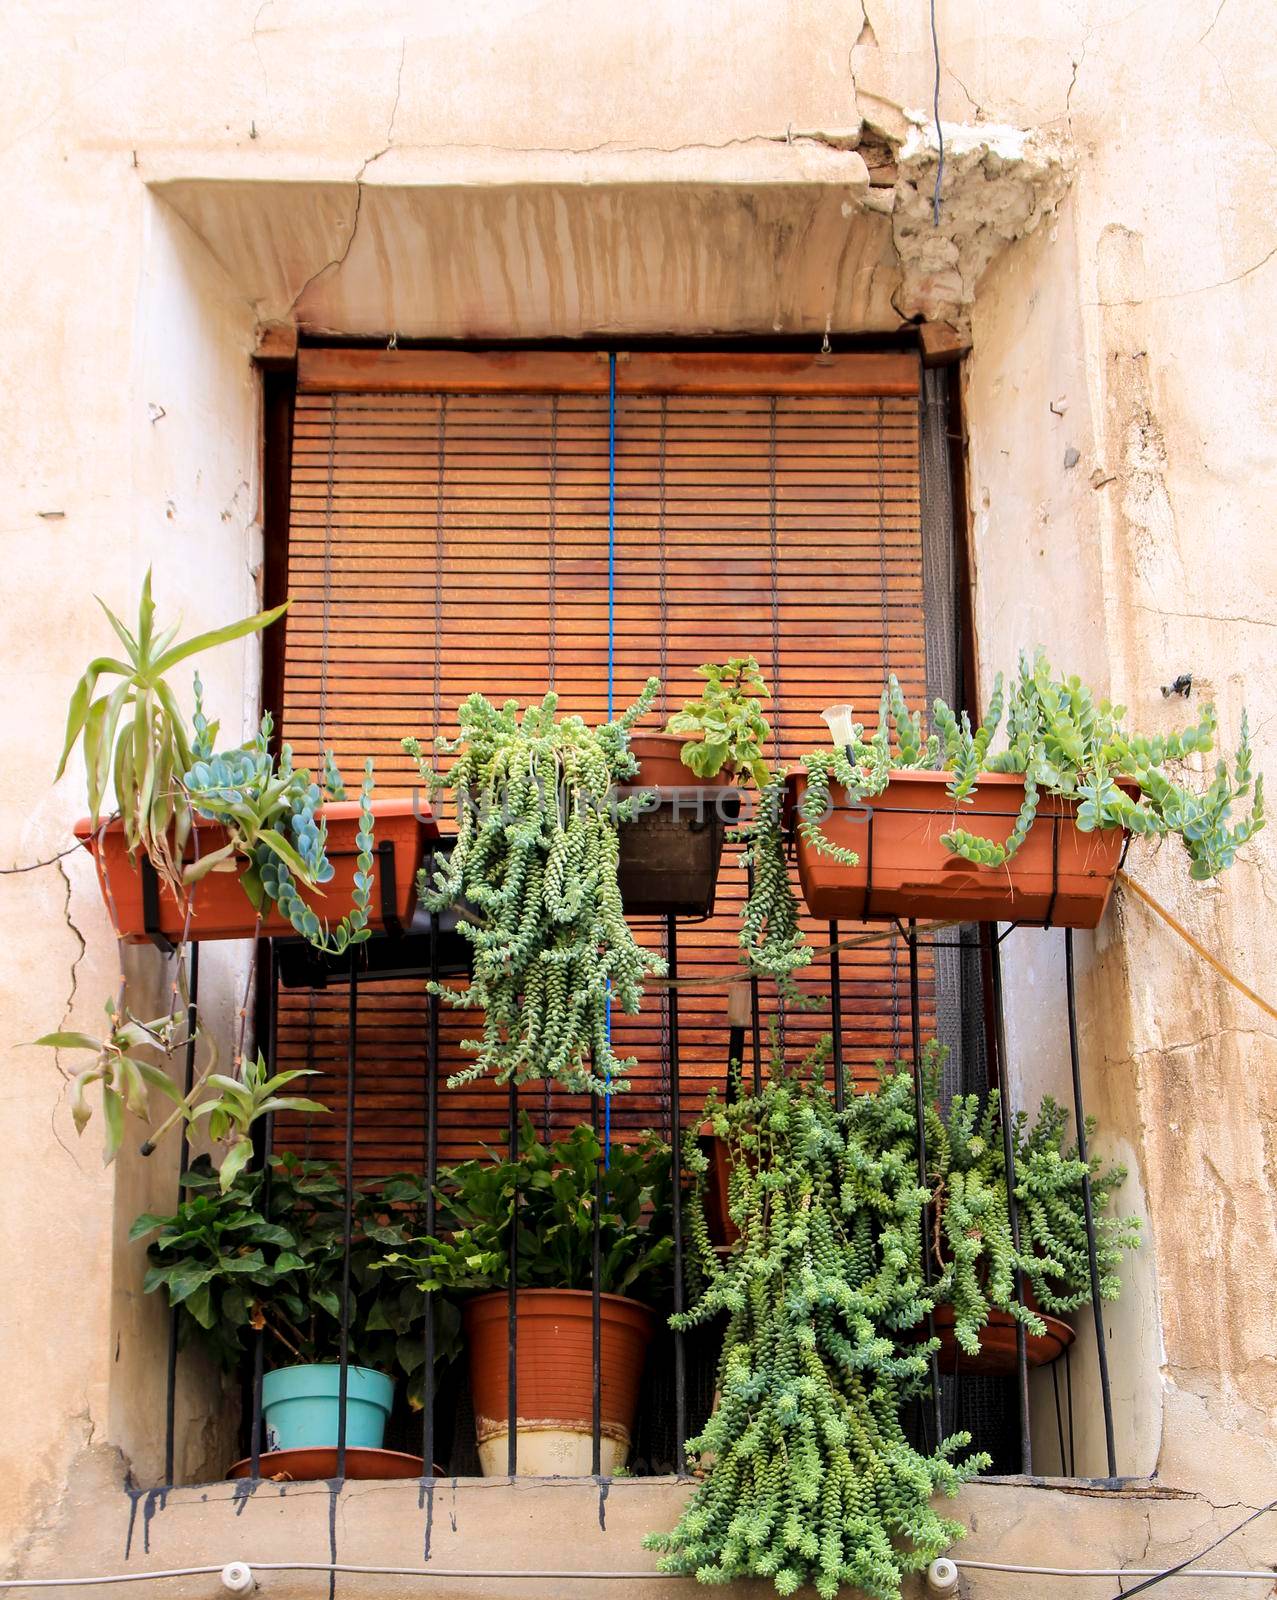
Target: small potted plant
{"x":671,"y":850}
{"x":550,"y":1190}
{"x":883,"y":828}
{"x":263,"y":1255}
{"x":239,"y":842}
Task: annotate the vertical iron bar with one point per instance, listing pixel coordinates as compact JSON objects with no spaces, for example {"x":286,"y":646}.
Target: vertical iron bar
{"x":268,"y":1139}
{"x":1008,"y":1153}
{"x":432,"y":1177}
{"x":920,"y":1114}
{"x":348,"y":1221}
{"x":755,"y":1023}
{"x":835,"y":1017}
{"x":512,"y":1295}
{"x":1068,"y":1390}
{"x":1059,"y":1417}
{"x":676,"y":1199}
{"x":183,"y":1162}
{"x":596,"y":1310}
{"x":1088,"y":1206}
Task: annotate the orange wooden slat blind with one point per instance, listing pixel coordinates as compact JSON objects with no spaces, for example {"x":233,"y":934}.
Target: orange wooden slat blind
{"x":449,"y":532}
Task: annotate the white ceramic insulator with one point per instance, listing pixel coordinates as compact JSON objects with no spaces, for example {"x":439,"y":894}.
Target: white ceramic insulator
{"x":942,"y":1577}
{"x":237,"y":1577}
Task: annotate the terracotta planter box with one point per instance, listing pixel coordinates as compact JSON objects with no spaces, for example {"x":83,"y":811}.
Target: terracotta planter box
{"x":555,"y":1378}
{"x":219,"y":907}
{"x":1058,"y":876}
{"x":670,"y":854}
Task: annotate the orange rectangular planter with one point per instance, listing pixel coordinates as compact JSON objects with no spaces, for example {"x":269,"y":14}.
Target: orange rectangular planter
{"x":1058,"y":876}
{"x":219,"y":907}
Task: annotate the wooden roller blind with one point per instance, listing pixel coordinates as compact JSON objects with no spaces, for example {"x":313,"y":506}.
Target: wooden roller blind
{"x":449,"y":532}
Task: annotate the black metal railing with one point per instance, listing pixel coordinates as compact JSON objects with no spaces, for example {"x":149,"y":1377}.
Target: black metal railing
{"x":366,"y":961}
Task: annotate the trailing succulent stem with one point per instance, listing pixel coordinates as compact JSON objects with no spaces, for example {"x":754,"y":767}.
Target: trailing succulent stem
{"x":535,"y":864}
{"x":771,"y":935}
{"x":810,"y":1476}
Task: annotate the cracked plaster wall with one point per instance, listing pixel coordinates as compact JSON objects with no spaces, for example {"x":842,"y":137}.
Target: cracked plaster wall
{"x":1132,"y":326}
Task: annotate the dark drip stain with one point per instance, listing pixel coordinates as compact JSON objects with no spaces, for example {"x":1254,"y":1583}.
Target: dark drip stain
{"x":426,"y":1498}
{"x":452,"y":1511}
{"x":242,"y":1493}
{"x":604,"y":1485}
{"x":156,"y":1500}
{"x":134,"y":1496}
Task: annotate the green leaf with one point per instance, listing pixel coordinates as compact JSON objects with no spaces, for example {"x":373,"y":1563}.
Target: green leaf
{"x":69,"y":1041}
{"x":113,"y":1112}
{"x":236,"y":1159}
{"x":216,"y":636}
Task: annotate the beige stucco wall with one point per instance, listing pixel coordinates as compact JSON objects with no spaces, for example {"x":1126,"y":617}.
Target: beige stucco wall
{"x":534,"y":168}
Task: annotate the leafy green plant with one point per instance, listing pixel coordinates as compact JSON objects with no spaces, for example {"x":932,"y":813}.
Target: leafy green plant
{"x":727,"y":721}
{"x":549,"y":1189}
{"x":535,"y":865}
{"x":239,"y":1103}
{"x":810,"y":1476}
{"x":135,"y":736}
{"x":266,"y":1255}
{"x":125,"y":1076}
{"x":276,"y":834}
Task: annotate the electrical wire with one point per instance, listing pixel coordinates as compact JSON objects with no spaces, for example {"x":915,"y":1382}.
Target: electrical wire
{"x":508,"y":1574}
{"x":1179,"y":1568}
{"x":935,"y":108}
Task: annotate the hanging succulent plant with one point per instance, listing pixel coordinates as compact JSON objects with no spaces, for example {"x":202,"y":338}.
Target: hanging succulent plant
{"x":535,"y":866}
{"x":811,"y":1478}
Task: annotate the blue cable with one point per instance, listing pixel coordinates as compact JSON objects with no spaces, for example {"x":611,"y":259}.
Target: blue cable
{"x":611,"y":661}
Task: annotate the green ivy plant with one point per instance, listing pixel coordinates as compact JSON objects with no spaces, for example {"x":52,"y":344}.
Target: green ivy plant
{"x":549,"y":1188}
{"x":726,"y":721}
{"x":267,"y":1256}
{"x":135,"y":736}
{"x":277,"y":840}
{"x":535,"y":866}
{"x":810,"y":1477}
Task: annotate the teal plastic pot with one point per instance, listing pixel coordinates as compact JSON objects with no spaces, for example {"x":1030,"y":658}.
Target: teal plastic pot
{"x":301,"y":1410}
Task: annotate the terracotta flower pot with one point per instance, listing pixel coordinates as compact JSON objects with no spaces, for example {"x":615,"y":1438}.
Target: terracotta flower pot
{"x":555,"y":1379}
{"x":1058,"y":874}
{"x":319,"y":1462}
{"x":661,"y":766}
{"x":219,"y":907}
{"x":997,"y":1341}
{"x":722,"y":1230}
{"x":670,"y":852}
